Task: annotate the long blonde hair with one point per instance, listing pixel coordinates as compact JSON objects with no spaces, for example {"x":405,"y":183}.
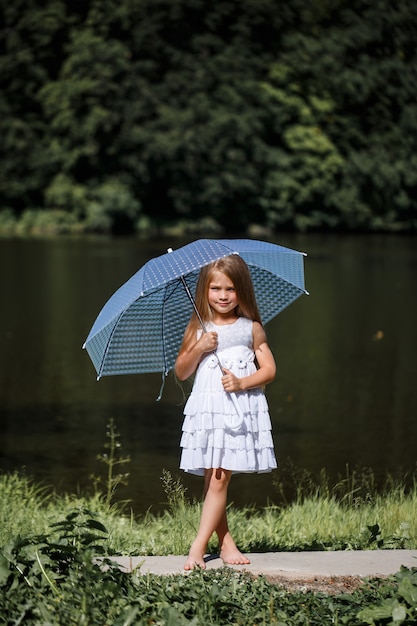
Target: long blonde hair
{"x":235,"y":268}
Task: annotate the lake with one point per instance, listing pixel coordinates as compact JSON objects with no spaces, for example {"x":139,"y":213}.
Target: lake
{"x":345,"y":393}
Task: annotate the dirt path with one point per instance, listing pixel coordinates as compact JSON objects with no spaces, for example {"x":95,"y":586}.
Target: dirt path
{"x":330,"y":585}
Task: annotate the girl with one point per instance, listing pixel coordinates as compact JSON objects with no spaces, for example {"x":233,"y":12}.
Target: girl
{"x":215,"y":442}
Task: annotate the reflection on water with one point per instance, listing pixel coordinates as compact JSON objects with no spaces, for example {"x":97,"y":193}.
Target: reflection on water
{"x":345,"y":392}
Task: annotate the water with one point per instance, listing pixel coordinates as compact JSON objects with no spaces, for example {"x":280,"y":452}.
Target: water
{"x":345,"y":392}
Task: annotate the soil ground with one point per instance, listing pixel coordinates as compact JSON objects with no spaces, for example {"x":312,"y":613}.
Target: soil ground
{"x":330,"y":585}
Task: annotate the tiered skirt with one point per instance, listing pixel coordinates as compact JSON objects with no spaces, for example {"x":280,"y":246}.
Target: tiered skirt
{"x":217,"y":435}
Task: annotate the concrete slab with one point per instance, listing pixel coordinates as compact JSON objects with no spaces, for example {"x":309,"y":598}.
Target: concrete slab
{"x":366,"y":563}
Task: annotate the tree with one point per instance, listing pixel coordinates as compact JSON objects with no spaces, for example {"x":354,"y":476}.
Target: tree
{"x":296,"y":114}
{"x":361,"y":57}
{"x":30,"y":47}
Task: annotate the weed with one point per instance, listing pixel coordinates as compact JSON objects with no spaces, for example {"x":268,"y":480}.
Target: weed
{"x":17,"y":489}
{"x":183,"y":513}
{"x":52,"y":577}
{"x":112,"y":459}
{"x":175,"y":493}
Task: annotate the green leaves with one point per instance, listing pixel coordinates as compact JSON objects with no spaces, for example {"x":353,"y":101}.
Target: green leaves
{"x":54,"y":577}
{"x":361,"y":64}
{"x":47,"y":588}
{"x":248,"y":112}
{"x":400,"y":607}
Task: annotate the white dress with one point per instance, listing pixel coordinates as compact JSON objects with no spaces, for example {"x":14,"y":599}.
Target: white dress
{"x":216,"y":434}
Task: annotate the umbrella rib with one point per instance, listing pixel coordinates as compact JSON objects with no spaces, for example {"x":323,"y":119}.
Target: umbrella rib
{"x":164,"y":353}
{"x":190,"y":295}
{"x":106,"y":349}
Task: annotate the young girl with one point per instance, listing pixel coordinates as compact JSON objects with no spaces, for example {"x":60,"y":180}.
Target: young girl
{"x":215,"y":441}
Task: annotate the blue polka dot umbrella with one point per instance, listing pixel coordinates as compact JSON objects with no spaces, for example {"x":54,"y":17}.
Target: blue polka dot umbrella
{"x":141,"y":326}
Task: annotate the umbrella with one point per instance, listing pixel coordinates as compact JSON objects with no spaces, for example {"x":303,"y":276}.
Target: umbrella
{"x":140,"y":328}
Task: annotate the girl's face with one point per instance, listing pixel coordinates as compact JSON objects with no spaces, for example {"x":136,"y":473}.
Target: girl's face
{"x":222,"y":296}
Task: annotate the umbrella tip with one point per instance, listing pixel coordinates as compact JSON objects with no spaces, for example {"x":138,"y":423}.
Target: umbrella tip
{"x":169,"y":250}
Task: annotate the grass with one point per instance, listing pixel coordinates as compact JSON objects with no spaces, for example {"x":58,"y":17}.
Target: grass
{"x":49,"y":543}
{"x":321,"y":517}
{"x":53,"y":577}
{"x":326,"y":518}
{"x":352,"y":512}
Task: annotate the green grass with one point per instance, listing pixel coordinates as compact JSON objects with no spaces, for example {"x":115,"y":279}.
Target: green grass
{"x":352,"y":512}
{"x":323,"y":518}
{"x":49,"y":543}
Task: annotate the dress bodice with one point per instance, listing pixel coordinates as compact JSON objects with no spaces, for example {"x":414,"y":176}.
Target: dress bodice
{"x":233,"y":335}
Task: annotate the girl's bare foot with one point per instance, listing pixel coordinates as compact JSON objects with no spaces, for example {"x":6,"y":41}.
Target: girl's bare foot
{"x":195,"y":559}
{"x":230,"y":554}
{"x":234,"y":557}
{"x":193,"y":562}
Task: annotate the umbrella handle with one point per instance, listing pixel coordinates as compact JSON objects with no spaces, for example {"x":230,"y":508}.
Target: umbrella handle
{"x":232,"y":424}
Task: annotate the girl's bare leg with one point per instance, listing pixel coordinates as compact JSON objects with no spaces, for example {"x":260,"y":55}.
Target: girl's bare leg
{"x":216,"y":482}
{"x":214,"y":518}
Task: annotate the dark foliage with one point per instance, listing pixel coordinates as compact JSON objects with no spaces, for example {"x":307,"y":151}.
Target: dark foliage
{"x":115,"y":114}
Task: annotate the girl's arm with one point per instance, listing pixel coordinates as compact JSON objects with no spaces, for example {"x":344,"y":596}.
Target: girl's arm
{"x":190,"y":354}
{"x":266,"y":365}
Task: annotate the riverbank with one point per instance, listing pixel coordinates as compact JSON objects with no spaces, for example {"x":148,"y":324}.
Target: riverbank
{"x":52,"y":548}
{"x":319,"y":519}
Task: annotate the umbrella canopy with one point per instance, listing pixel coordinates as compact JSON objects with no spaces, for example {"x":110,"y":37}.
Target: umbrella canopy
{"x":141,"y":326}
